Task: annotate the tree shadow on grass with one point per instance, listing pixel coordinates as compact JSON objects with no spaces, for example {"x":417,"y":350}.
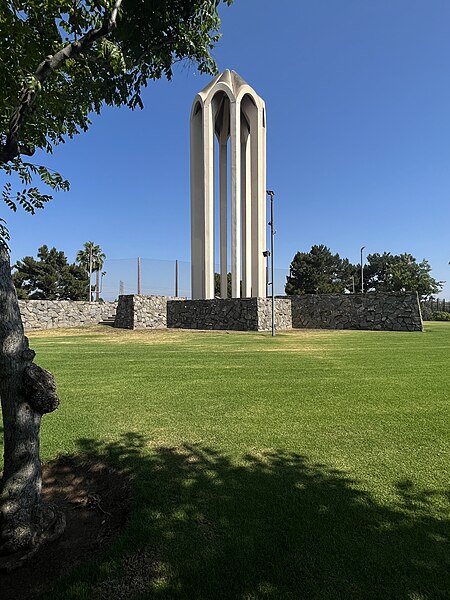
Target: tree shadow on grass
{"x":273,"y":526}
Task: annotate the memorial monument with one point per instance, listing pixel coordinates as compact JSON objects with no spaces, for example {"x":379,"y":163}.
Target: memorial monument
{"x":228,"y":199}
{"x":229,"y":110}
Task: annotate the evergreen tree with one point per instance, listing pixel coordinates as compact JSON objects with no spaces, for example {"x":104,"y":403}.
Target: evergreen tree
{"x":318,"y":272}
{"x":217,"y":285}
{"x":399,"y":273}
{"x":50,"y":277}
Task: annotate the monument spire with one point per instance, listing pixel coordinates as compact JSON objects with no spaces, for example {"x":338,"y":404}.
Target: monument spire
{"x":230,"y":110}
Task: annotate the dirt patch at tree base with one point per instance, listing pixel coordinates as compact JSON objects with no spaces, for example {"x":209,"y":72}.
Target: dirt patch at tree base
{"x":95,"y":500}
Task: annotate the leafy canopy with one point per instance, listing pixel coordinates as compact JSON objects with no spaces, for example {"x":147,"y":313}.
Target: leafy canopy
{"x":318,"y":272}
{"x":63,"y":60}
{"x":91,"y":257}
{"x":399,"y":273}
{"x":321,"y":272}
{"x":50,"y":277}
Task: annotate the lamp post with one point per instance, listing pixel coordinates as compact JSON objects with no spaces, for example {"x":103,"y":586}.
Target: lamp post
{"x":271,"y":195}
{"x":266,"y":254}
{"x":362,"y":271}
{"x":139,"y":275}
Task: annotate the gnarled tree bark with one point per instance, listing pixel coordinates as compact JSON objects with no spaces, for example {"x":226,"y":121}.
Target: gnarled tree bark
{"x":27,"y":392}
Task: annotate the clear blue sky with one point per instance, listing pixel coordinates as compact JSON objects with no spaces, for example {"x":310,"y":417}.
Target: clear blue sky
{"x":358,"y":122}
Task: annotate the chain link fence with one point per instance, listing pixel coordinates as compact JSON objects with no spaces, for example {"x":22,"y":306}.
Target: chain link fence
{"x":156,"y":277}
{"x":432,"y":306}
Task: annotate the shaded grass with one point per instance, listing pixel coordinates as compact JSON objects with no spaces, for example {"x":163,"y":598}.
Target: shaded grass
{"x":311,"y":465}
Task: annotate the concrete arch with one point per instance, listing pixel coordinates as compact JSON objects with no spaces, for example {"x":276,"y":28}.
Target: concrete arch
{"x":246,"y":90}
{"x":221,"y":87}
{"x":198,"y":102}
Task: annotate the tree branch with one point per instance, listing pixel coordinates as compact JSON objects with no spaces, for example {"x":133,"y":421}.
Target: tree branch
{"x":50,"y":64}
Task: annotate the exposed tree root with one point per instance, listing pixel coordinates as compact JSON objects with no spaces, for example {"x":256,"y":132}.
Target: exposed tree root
{"x":49,"y":525}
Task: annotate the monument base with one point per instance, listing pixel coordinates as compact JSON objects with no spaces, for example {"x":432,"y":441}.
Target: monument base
{"x":241,"y":314}
{"x":376,"y":312}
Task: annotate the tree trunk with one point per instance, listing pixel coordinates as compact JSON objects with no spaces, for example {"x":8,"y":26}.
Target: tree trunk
{"x":27,"y":392}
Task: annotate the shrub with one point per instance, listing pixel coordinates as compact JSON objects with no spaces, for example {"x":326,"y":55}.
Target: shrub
{"x":442,"y":316}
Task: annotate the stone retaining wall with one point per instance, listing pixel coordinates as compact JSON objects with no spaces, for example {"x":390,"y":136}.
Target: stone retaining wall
{"x":241,"y":314}
{"x":125,"y":312}
{"x":393,"y":312}
{"x":231,"y":313}
{"x":379,"y":312}
{"x":48,"y":314}
{"x":142,"y":312}
{"x":283,"y":314}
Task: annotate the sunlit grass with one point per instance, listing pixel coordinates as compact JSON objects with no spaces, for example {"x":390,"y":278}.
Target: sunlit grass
{"x":310,"y":465}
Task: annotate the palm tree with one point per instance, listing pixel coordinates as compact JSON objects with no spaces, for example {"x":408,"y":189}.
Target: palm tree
{"x":92,"y":258}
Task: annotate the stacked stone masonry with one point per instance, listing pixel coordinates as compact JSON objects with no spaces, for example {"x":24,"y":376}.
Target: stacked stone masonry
{"x":142,"y":312}
{"x":233,"y":313}
{"x":377,"y":312}
{"x":48,"y":314}
{"x":241,"y":314}
{"x":283,"y":314}
{"x":388,"y":312}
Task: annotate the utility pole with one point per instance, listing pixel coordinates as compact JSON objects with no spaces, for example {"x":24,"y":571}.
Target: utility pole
{"x":362,"y":271}
{"x":176,"y":278}
{"x":271,"y":195}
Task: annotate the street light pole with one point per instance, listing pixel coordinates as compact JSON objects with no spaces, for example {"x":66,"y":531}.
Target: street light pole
{"x":271,"y":195}
{"x":362,"y":271}
{"x":139,"y":275}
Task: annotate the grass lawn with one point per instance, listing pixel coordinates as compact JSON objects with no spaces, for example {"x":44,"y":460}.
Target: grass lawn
{"x":312,"y":465}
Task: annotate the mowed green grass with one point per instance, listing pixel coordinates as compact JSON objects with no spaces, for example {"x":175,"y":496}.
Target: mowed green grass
{"x":311,"y":465}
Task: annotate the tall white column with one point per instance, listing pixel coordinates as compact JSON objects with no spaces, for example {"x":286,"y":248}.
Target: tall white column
{"x":263,"y":186}
{"x":208,"y":157}
{"x":197,"y":203}
{"x":257,"y":134}
{"x":235,"y":152}
{"x":246,"y":216}
{"x":223,"y":177}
